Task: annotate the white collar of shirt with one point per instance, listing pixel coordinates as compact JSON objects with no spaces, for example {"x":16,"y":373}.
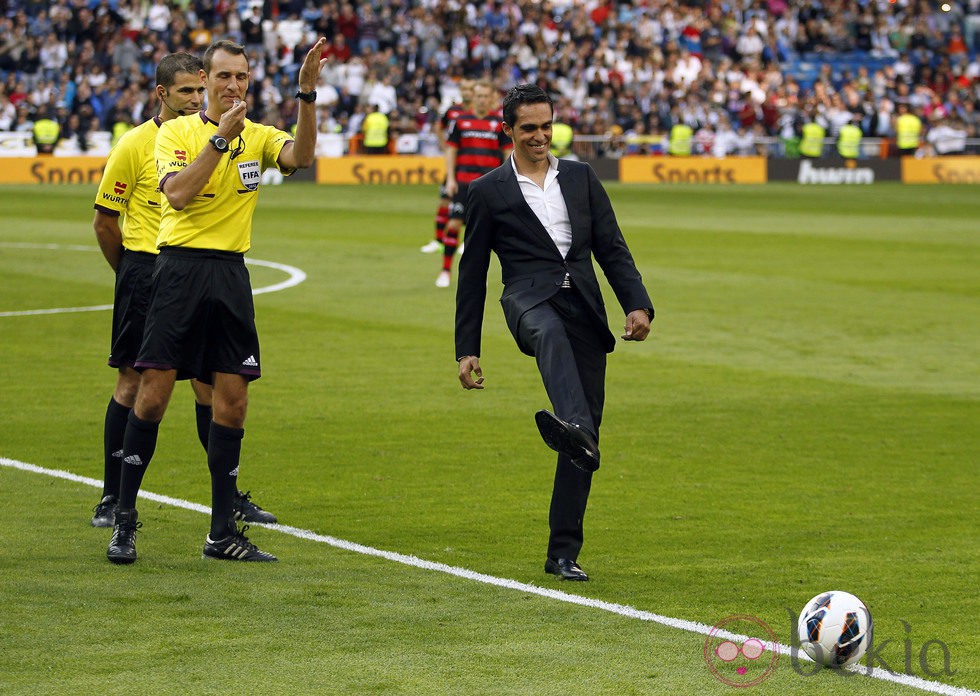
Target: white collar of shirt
{"x":552,"y":169}
{"x":547,"y":204}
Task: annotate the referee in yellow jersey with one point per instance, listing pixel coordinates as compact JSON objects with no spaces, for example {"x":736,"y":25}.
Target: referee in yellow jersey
{"x":130,"y":194}
{"x":200,"y":322}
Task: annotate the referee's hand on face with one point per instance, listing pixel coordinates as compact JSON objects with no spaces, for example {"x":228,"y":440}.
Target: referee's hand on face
{"x":232,"y":122}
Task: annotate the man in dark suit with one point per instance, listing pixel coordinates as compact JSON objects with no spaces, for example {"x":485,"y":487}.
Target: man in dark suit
{"x":546,"y":219}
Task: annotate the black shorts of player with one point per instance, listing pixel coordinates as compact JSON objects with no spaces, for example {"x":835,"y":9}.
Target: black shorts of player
{"x":132,"y":297}
{"x":201,"y":319}
{"x":457,"y":209}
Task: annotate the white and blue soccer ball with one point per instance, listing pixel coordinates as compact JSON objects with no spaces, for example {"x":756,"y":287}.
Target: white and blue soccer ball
{"x":835,"y":629}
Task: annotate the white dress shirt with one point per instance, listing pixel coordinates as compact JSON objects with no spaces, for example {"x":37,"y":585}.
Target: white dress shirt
{"x":548,"y":204}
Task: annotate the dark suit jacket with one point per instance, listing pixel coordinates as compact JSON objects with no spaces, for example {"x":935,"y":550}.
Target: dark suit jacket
{"x":498,"y":219}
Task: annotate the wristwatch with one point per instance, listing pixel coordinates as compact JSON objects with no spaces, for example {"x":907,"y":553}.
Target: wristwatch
{"x":218,"y":143}
{"x":308,"y":97}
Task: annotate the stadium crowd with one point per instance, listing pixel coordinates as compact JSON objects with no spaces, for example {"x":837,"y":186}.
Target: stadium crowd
{"x":733,"y":70}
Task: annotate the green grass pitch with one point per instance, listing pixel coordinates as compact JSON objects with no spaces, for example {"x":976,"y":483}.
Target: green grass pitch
{"x":805,"y":417}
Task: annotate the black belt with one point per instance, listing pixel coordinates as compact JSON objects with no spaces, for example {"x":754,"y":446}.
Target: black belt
{"x":140,"y":256}
{"x":194,"y":252}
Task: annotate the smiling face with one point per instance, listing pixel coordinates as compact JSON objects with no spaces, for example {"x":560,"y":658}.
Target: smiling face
{"x":531,"y":133}
{"x":227,"y":81}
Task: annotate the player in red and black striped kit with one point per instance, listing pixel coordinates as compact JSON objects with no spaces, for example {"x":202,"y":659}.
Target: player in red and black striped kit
{"x":476,"y":144}
{"x":442,"y":128}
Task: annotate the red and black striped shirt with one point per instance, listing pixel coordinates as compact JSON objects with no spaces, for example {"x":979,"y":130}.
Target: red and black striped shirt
{"x":452,"y":113}
{"x":480,"y":144}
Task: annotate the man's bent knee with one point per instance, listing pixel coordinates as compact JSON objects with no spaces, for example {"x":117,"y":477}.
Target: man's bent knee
{"x":127,"y":385}
{"x":230,"y":400}
{"x":156,"y":387}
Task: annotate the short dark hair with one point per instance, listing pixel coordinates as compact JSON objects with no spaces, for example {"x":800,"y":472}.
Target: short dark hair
{"x":524,"y":94}
{"x":222,"y":45}
{"x":174,"y":63}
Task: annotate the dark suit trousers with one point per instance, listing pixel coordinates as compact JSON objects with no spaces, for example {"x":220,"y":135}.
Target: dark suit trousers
{"x":568,"y":348}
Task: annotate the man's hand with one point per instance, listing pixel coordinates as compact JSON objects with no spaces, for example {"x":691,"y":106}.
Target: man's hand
{"x":232,"y":122}
{"x":309,"y":72}
{"x":637,"y":326}
{"x":469,"y":366}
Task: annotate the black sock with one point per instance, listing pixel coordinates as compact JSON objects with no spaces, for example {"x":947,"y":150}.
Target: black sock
{"x":138,"y":447}
{"x":224,"y":450}
{"x":112,"y":439}
{"x":203,"y":414}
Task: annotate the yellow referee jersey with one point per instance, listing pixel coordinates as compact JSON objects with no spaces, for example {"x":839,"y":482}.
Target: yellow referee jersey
{"x":129,"y":187}
{"x":220,"y":216}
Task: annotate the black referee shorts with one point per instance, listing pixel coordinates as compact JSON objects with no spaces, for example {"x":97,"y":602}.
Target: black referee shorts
{"x":201,"y":318}
{"x":130,"y":302}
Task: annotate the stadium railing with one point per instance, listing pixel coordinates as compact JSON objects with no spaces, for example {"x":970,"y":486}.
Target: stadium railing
{"x":585,"y":147}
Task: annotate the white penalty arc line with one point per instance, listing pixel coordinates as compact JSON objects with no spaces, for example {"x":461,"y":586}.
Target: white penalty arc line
{"x":296,"y":276}
{"x":558,"y":595}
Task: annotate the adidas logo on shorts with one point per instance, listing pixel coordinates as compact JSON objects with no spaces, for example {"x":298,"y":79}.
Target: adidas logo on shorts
{"x":250,"y":361}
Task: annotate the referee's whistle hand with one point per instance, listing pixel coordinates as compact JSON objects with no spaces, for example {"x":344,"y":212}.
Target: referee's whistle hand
{"x":469,"y":366}
{"x":232,"y":122}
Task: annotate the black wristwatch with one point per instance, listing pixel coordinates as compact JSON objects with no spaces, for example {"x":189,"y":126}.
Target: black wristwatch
{"x":218,"y":143}
{"x":308,"y":97}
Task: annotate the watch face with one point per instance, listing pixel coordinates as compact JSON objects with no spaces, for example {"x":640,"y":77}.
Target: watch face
{"x":219,"y":142}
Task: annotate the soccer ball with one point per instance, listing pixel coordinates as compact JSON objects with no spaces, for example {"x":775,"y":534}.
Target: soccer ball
{"x":835,"y":629}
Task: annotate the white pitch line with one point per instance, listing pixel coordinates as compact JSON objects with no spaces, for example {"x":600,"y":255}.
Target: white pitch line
{"x":296,"y":276}
{"x":416,"y":562}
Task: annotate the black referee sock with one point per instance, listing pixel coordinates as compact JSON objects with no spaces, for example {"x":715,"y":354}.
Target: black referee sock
{"x":224,"y":450}
{"x":138,"y":447}
{"x":203,"y":414}
{"x":112,"y":439}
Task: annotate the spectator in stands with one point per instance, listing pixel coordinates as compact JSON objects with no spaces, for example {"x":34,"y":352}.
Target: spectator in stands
{"x":339,"y":49}
{"x":23,"y":123}
{"x":252,"y":33}
{"x":642,"y":59}
{"x":53,"y":55}
{"x":382,"y":94}
{"x":158,"y":19}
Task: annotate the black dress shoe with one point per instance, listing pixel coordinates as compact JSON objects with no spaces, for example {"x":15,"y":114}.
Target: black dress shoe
{"x":568,"y":439}
{"x":565,"y":569}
